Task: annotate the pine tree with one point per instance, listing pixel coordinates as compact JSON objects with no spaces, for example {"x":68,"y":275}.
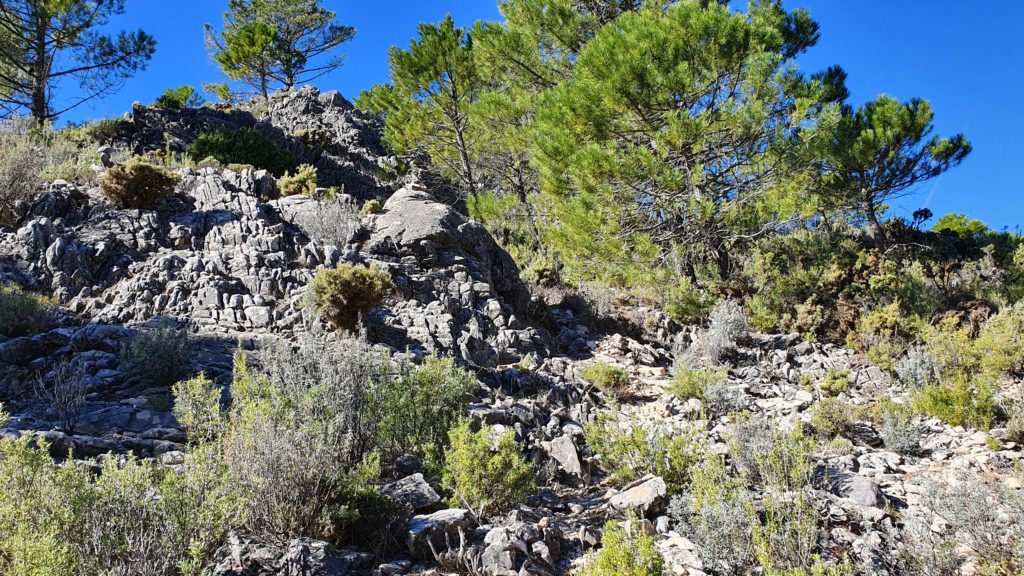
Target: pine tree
{"x":880,"y":152}
{"x":285,"y":41}
{"x":429,"y":103}
{"x":45,"y":42}
{"x":679,"y":131}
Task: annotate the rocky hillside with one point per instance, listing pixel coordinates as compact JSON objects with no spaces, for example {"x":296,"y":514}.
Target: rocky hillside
{"x":232,"y":263}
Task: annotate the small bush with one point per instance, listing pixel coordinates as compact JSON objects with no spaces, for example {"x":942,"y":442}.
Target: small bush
{"x":1001,"y":342}
{"x":835,"y":382}
{"x":302,"y":182}
{"x":721,"y":399}
{"x":885,"y":334}
{"x":716,"y":514}
{"x":197,"y":408}
{"x":179,"y":98}
{"x":1015,"y":425}
{"x":242,"y":146}
{"x":628,"y":450}
{"x":344,"y":294}
{"x":918,"y":368}
{"x":692,"y":383}
{"x":958,"y":403}
{"x":686,"y":304}
{"x":137,"y":184}
{"x":332,"y":222}
{"x":726,"y":324}
{"x":160,"y":356}
{"x":488,"y":479}
{"x":611,"y":380}
{"x":415,"y":411}
{"x":371,"y":206}
{"x":63,"y":391}
{"x":625,"y":551}
{"x":900,"y":434}
{"x":831,"y":417}
{"x":23,"y":313}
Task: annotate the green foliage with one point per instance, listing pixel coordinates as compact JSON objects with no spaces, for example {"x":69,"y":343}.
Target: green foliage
{"x":691,"y":383}
{"x":179,"y":98}
{"x":958,"y":403}
{"x":302,"y":182}
{"x":899,"y":433}
{"x":284,"y":41}
{"x":623,"y":140}
{"x":131,"y":516}
{"x":625,"y":551}
{"x":23,"y":313}
{"x":884,"y":335}
{"x":628,"y":450}
{"x":961,"y":225}
{"x":46,"y":43}
{"x":611,"y":380}
{"x":160,"y":356}
{"x":427,"y":105}
{"x":488,"y":477}
{"x":415,"y":411}
{"x":835,"y":382}
{"x":344,"y":294}
{"x":137,"y":184}
{"x":882,"y":150}
{"x":1001,"y":342}
{"x":242,"y":146}
{"x":832,"y":417}
{"x":197,"y":408}
{"x":371,"y":206}
{"x":686,"y":304}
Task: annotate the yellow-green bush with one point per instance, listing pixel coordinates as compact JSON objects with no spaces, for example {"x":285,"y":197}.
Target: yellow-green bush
{"x":835,"y":382}
{"x":958,"y":403}
{"x":832,"y":417}
{"x":488,"y":478}
{"x":1001,"y":342}
{"x":612,"y":380}
{"x":885,"y":334}
{"x":625,"y":551}
{"x":23,"y":313}
{"x":137,"y":184}
{"x":691,"y":382}
{"x":344,"y":294}
{"x":302,"y":182}
{"x":371,"y":206}
{"x":197,"y":408}
{"x":628,"y":450}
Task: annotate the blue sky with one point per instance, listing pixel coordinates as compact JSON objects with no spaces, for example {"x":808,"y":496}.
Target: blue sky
{"x":963,"y":56}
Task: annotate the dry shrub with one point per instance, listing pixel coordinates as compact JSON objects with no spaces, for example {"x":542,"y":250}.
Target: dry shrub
{"x":137,"y":184}
{"x":344,"y":294}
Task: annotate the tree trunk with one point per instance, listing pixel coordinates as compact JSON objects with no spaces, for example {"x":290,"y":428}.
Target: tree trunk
{"x":40,"y":71}
{"x":875,"y":226}
{"x":467,"y":166}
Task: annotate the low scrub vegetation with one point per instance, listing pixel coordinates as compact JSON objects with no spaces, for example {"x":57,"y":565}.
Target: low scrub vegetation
{"x":23,"y":313}
{"x":627,"y":549}
{"x":630,"y":449}
{"x":344,"y":294}
{"x":138,"y":184}
{"x":242,"y":146}
{"x":303,"y":181}
{"x":484,"y":473}
{"x":160,"y":356}
{"x":611,"y":380}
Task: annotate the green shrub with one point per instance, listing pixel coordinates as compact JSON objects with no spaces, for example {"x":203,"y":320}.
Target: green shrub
{"x":611,"y":380}
{"x":197,"y":408}
{"x":628,"y":450}
{"x":958,"y":403}
{"x":23,"y":313}
{"x":832,"y":417}
{"x":625,"y":551}
{"x":489,"y":481}
{"x":242,"y":146}
{"x":899,"y":433}
{"x":786,"y":537}
{"x":160,"y":356}
{"x":1015,"y":425}
{"x":835,"y":382}
{"x":415,"y":411}
{"x":885,"y":334}
{"x":691,"y":383}
{"x":344,"y":294}
{"x":1001,"y":342}
{"x":686,"y":304}
{"x":137,"y":184}
{"x":297,"y":442}
{"x":302,"y":182}
{"x":371,"y":206}
{"x":179,"y":98}
{"x":130,"y":518}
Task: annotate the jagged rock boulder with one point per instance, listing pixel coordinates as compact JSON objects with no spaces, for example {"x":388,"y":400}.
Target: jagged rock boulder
{"x":321,"y":129}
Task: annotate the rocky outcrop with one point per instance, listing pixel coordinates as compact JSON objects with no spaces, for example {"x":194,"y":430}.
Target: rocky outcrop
{"x":321,"y":129}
